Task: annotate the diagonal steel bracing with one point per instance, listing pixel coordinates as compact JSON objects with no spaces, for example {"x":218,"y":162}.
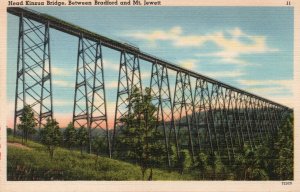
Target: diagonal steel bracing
{"x":89,"y":100}
{"x":33,"y":79}
{"x":183,"y":109}
{"x":211,"y":115}
{"x":160,"y":91}
{"x":256,"y":129}
{"x":129,"y":78}
{"x":225,"y":131}
{"x":203,"y":115}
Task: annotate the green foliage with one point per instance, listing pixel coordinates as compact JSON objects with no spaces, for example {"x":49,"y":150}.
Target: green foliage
{"x":184,"y":162}
{"x":27,"y":122}
{"x":216,"y":168}
{"x":82,"y":138}
{"x":9,"y":131}
{"x":99,"y":145}
{"x":139,"y":141}
{"x":284,"y":147}
{"x":142,"y":144}
{"x":70,"y":136}
{"x":51,"y":136}
{"x":202,"y":165}
{"x":250,"y":164}
{"x":34,"y":164}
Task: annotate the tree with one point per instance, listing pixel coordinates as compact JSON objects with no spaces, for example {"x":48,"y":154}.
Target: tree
{"x":217,"y":166}
{"x":70,"y":136}
{"x":202,"y":164}
{"x":250,"y":164}
{"x":184,"y":162}
{"x":285,"y":150}
{"x":99,"y":145}
{"x":138,"y":138}
{"x":51,"y":136}
{"x":9,"y":131}
{"x":28,"y":122}
{"x":82,"y":138}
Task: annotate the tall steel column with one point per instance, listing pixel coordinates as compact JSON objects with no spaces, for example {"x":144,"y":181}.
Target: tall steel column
{"x":234,"y":122}
{"x":213,"y":102}
{"x":160,"y":91}
{"x":249,"y":125}
{"x":224,"y":98}
{"x":255,"y":122}
{"x":203,"y":115}
{"x":33,"y":79}
{"x":98,"y":113}
{"x":229,"y":115}
{"x":183,"y":109}
{"x":89,"y":100}
{"x":129,"y":78}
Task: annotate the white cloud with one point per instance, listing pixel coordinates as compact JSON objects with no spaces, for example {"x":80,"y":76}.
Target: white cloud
{"x":145,"y":75}
{"x":63,"y":83}
{"x":172,"y":74}
{"x":107,"y":64}
{"x":174,"y":35}
{"x":223,"y":74}
{"x":267,"y":91}
{"x":284,"y":100}
{"x":63,"y":102}
{"x":271,"y":89}
{"x":111,"y":85}
{"x":60,"y":71}
{"x":190,"y":64}
{"x":286,"y":84}
{"x":231,"y":47}
{"x":236,"y":32}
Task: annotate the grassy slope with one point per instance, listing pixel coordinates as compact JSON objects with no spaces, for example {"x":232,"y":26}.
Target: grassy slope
{"x":35,"y":164}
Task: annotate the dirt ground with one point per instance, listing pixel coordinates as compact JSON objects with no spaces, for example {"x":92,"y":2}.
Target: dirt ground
{"x":19,"y":145}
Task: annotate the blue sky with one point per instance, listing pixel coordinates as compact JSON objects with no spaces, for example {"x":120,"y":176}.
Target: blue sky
{"x":248,"y":47}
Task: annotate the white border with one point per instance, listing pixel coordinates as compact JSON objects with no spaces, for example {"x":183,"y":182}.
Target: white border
{"x":155,"y":185}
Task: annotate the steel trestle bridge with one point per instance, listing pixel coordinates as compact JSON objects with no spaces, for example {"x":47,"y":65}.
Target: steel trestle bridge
{"x":210,"y":115}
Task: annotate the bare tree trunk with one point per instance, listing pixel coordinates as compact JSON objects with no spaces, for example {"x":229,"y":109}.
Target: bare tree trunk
{"x":150,"y":176}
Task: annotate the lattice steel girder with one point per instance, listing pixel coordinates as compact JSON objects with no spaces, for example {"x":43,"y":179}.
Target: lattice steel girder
{"x":98,"y":107}
{"x":268,"y":118}
{"x":224,"y":106}
{"x":183,"y":107}
{"x":247,"y":109}
{"x":262,"y":120}
{"x":256,"y":119}
{"x":239,"y":118}
{"x":229,"y":110}
{"x":271,"y":117}
{"x":129,"y":78}
{"x":33,"y":79}
{"x":202,"y":108}
{"x":89,"y":99}
{"x":273,"y":111}
{"x":81,"y":103}
{"x":219,"y":124}
{"x":245,"y":122}
{"x":277,"y":116}
{"x":234,"y":119}
{"x":160,"y":92}
{"x":215,"y":139}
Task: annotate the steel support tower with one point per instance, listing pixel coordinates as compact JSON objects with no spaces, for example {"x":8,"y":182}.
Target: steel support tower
{"x":33,"y":79}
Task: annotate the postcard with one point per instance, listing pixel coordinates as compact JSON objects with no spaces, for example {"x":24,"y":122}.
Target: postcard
{"x":152,"y":95}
